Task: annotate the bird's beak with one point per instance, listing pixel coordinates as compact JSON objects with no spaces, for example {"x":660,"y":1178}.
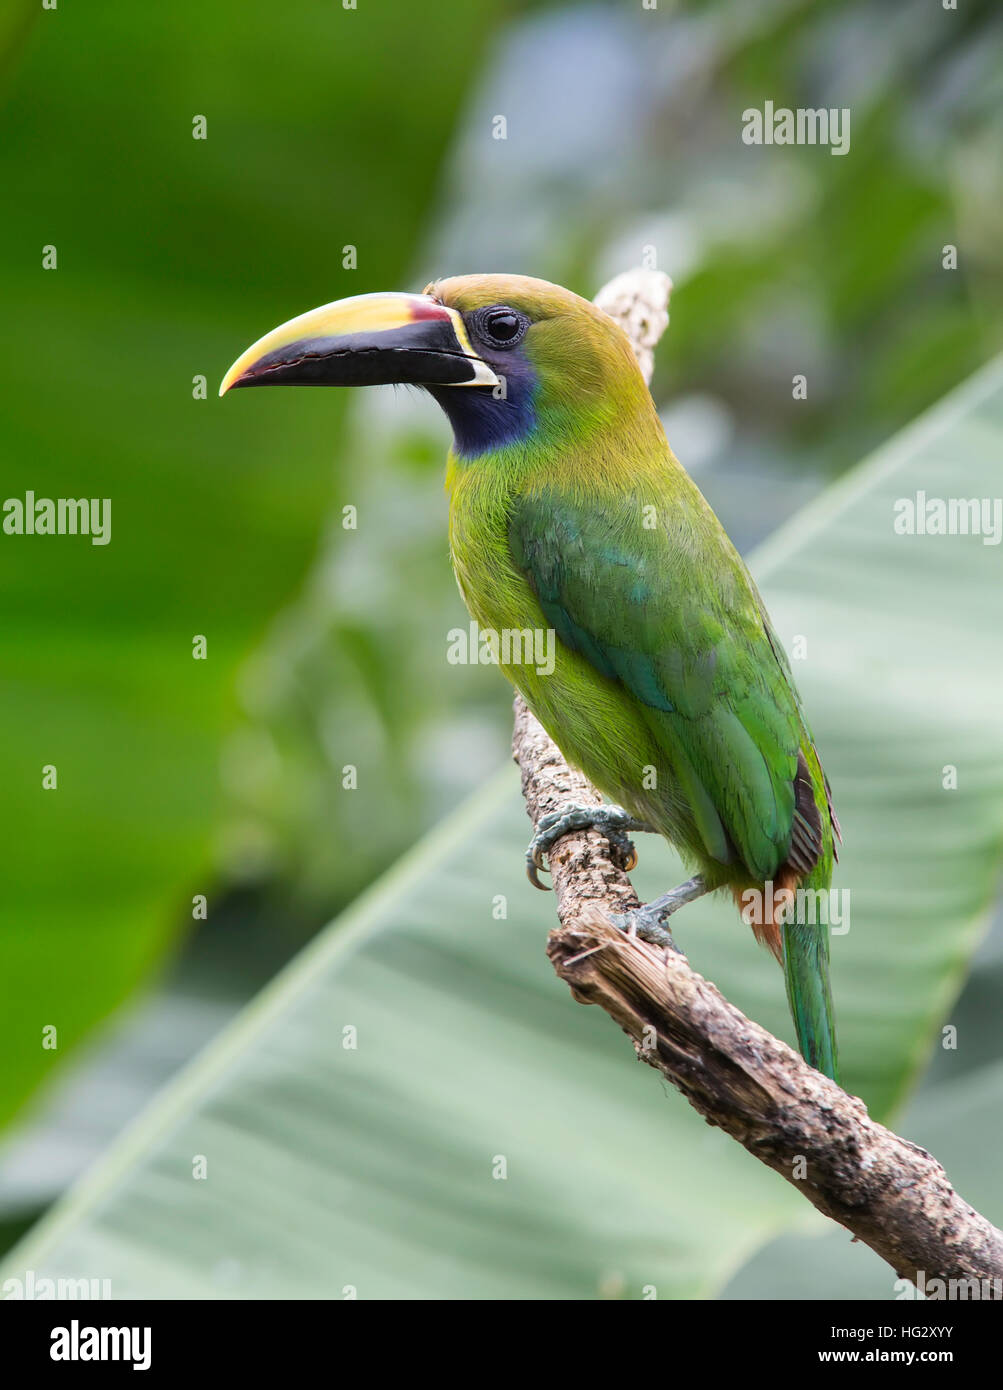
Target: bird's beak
{"x":368,"y":340}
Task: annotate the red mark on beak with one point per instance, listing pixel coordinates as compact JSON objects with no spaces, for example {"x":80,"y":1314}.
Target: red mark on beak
{"x":422,"y":310}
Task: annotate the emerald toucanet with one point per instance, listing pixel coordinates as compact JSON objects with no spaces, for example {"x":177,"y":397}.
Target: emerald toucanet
{"x":569,"y":512}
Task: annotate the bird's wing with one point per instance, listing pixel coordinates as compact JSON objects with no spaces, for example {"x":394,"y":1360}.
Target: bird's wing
{"x":669,"y":612}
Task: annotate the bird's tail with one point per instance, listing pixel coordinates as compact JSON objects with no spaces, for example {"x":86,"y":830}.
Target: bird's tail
{"x":805,"y":960}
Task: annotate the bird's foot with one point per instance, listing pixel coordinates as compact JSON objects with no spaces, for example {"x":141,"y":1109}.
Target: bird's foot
{"x":612,"y":821}
{"x":648,"y":921}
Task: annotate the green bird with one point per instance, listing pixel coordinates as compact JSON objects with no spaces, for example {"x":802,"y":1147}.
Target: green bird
{"x":570,"y":514}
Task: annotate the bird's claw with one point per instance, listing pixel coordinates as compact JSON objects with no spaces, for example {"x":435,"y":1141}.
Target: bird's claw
{"x":611,"y":821}
{"x":535,"y":864}
{"x":648,"y":922}
{"x":646,"y":927}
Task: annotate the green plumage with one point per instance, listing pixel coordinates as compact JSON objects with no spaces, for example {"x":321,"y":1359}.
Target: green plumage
{"x":670,"y":691}
{"x":569,"y":512}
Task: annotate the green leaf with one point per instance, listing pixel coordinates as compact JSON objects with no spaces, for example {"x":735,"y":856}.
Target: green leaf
{"x":172,"y":255}
{"x":378,"y":1167}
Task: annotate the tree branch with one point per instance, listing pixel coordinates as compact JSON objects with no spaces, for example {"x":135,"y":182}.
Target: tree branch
{"x":888,"y":1192}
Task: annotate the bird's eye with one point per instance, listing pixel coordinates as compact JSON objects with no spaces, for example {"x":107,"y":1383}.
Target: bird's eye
{"x":503,"y":327}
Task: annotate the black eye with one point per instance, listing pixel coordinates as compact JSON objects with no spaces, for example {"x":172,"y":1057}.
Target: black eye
{"x":503,"y":327}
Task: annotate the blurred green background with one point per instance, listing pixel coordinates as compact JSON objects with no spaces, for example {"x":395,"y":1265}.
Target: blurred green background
{"x":371,"y":128}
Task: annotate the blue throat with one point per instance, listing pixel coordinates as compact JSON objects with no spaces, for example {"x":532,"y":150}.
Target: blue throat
{"x":483,"y":422}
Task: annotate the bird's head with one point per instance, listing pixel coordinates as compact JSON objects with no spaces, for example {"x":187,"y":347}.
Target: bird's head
{"x":507,"y":357}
